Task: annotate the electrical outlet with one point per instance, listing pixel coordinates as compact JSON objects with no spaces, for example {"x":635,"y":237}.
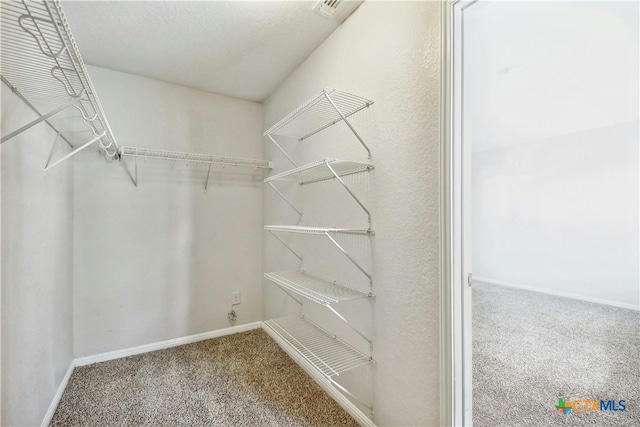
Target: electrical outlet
{"x":236,"y":298}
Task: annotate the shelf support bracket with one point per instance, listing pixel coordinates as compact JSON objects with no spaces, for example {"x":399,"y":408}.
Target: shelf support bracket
{"x":356,"y":330}
{"x":287,"y":246}
{"x":206,"y":182}
{"x":347,"y":392}
{"x":350,"y":192}
{"x":282,"y":150}
{"x":340,"y":316}
{"x":347,"y":123}
{"x":285,"y":198}
{"x":349,"y":256}
{"x":126,"y":169}
{"x":76,"y":151}
{"x":19,"y":95}
{"x":53,"y":146}
{"x":291,"y":296}
{"x":38,"y":120}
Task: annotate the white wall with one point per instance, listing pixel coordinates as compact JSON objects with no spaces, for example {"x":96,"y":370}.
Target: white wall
{"x":526,"y":84}
{"x":160,"y":261}
{"x":388,"y":52}
{"x":37,"y":279}
{"x":561,"y":215}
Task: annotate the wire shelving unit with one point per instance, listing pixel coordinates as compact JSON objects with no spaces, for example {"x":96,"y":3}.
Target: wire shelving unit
{"x":320,"y":231}
{"x":41,"y":64}
{"x":318,"y":290}
{"x":148,"y":153}
{"x":314,"y":288}
{"x":194,"y":157}
{"x":324,"y":351}
{"x":325,"y":109}
{"x":322,"y":170}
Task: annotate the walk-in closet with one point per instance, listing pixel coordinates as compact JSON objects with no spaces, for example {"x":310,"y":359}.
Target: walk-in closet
{"x":220,"y":213}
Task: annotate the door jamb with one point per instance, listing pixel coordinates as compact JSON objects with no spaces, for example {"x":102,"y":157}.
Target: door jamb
{"x":453,"y":370}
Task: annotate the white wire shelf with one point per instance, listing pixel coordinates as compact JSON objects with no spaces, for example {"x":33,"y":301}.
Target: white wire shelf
{"x":321,"y":231}
{"x":41,"y":63}
{"x":325,"y":352}
{"x":318,"y":171}
{"x":193,"y":157}
{"x":318,"y":113}
{"x":314,"y":288}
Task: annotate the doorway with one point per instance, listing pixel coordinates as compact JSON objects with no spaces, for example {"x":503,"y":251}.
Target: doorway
{"x":544,"y":208}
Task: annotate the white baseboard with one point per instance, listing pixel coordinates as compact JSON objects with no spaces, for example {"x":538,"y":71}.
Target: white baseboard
{"x":557,"y":293}
{"x":56,"y":399}
{"x":146,"y":348}
{"x":331,"y":390}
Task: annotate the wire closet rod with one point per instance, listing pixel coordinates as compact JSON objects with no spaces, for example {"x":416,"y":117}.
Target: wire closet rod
{"x":193,"y":157}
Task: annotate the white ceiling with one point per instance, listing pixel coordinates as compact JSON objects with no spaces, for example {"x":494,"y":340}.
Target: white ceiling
{"x":243,"y":49}
{"x":540,"y":69}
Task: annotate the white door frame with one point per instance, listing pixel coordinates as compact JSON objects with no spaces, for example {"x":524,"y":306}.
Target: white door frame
{"x":456,"y":387}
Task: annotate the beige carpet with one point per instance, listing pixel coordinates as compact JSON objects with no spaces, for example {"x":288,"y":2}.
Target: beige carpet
{"x":530,"y":348}
{"x":237,"y":380}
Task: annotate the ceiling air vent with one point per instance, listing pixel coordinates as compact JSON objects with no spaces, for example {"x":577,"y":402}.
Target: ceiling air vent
{"x":327,"y":8}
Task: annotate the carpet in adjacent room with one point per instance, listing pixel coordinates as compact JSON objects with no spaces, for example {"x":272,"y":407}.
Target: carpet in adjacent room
{"x":531,"y":348}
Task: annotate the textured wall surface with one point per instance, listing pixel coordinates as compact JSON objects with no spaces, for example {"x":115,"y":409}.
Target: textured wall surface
{"x":388,"y":52}
{"x":160,"y":261}
{"x":37,"y":253}
{"x":561,"y":215}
